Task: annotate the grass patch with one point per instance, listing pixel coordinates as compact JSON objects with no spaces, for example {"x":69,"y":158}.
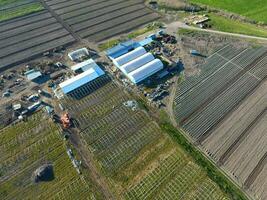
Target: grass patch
{"x":255,"y":10}
{"x":108,"y":44}
{"x":134,"y":34}
{"x":213,"y":173}
{"x":20,"y":11}
{"x":233,"y":26}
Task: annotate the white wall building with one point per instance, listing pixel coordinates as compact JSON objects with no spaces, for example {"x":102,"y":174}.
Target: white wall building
{"x":138,"y":65}
{"x":139,"y":51}
{"x":91,"y":72}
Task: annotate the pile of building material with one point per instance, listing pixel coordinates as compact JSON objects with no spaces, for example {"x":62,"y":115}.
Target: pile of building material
{"x":43,"y":173}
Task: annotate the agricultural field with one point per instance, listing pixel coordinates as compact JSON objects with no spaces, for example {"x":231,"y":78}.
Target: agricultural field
{"x":17,"y":8}
{"x":138,"y":160}
{"x":28,"y":36}
{"x":99,"y":20}
{"x":255,"y":10}
{"x":26,"y":146}
{"x":223,"y":109}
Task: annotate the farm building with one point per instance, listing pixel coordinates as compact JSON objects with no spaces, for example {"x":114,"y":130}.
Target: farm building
{"x":33,"y":74}
{"x":77,"y":54}
{"x":121,"y":48}
{"x":91,"y":72}
{"x":84,"y":66}
{"x":138,"y":64}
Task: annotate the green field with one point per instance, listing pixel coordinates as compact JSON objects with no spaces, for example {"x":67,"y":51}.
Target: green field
{"x":233,"y":26}
{"x":253,"y":9}
{"x":26,"y":146}
{"x":19,"y":10}
{"x":137,"y":158}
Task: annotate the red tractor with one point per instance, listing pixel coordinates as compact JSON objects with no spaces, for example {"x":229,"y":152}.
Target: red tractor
{"x":65,"y":120}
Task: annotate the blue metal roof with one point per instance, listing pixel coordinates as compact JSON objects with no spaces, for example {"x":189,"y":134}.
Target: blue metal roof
{"x":121,"y":48}
{"x":145,"y":41}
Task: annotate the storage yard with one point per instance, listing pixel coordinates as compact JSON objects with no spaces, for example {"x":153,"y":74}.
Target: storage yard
{"x":137,"y":159}
{"x":99,"y":20}
{"x":223,"y":109}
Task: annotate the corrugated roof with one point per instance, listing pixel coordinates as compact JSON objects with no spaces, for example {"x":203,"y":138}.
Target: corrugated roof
{"x":121,"y":49}
{"x":81,"y":79}
{"x":129,"y":56}
{"x":136,"y":63}
{"x":85,"y":65}
{"x":33,"y":74}
{"x":145,"y":71}
{"x":146,"y":41}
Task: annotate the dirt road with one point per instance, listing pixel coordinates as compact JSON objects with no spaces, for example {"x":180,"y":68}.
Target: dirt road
{"x":173,"y":27}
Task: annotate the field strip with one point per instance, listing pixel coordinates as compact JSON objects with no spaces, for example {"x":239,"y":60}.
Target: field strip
{"x":229,"y":61}
{"x":106,"y":17}
{"x":104,"y":11}
{"x":256,"y":171}
{"x":240,"y":138}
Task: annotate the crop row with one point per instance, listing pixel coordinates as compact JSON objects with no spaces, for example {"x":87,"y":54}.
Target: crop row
{"x":9,"y":133}
{"x":76,"y":188}
{"x":25,"y":139}
{"x":84,"y":10}
{"x":248,"y":56}
{"x":261,"y":70}
{"x":97,"y":13}
{"x":210,"y":115}
{"x":208,"y":190}
{"x":230,"y":52}
{"x":21,"y":160}
{"x":183,"y":183}
{"x":128,"y":148}
{"x":107,"y":17}
{"x":100,"y":126}
{"x":111,"y":22}
{"x":212,"y":64}
{"x":123,"y":27}
{"x":29,"y":36}
{"x":124,"y":129}
{"x":152,"y":181}
{"x":193,"y":99}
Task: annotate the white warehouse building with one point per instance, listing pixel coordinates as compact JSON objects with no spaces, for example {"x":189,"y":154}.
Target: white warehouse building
{"x":90,"y":72}
{"x":138,"y":64}
{"x":145,"y":71}
{"x":139,"y":51}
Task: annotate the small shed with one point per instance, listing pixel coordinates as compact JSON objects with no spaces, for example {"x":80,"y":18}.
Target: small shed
{"x":33,"y":74}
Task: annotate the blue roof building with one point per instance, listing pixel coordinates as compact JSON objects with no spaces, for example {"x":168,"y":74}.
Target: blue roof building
{"x":121,"y":48}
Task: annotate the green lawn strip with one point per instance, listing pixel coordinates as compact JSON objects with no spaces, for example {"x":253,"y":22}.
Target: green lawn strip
{"x":214,"y":174}
{"x":134,"y":34}
{"x":20,"y":11}
{"x":228,"y":25}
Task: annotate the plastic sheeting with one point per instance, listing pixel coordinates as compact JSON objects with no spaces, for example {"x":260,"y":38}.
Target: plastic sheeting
{"x":145,"y":71}
{"x":136,"y":63}
{"x":129,"y":56}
